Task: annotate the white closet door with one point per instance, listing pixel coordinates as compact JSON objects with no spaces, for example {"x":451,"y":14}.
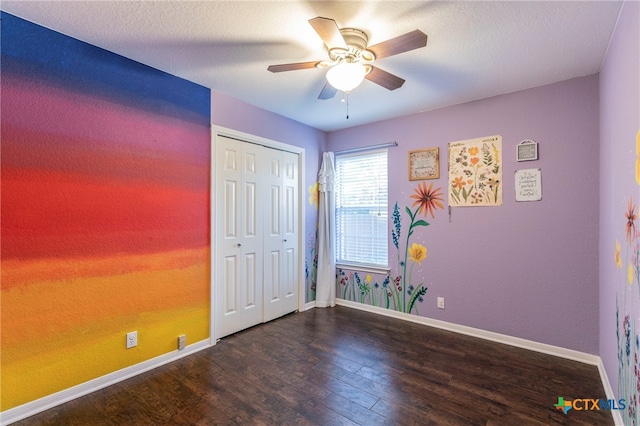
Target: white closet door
{"x":281,"y":235}
{"x":239,"y":235}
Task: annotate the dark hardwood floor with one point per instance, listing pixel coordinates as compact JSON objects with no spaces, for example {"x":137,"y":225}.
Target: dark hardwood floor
{"x":342,"y":366}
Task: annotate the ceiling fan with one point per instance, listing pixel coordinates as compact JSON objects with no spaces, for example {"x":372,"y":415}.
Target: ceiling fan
{"x":350,"y":58}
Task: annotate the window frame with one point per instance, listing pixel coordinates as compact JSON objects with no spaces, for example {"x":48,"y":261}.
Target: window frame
{"x":371,"y":267}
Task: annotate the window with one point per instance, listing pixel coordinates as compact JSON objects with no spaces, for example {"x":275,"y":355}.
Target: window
{"x":361,"y":209}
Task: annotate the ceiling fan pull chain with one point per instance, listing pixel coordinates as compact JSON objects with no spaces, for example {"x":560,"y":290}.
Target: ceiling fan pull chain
{"x":347,"y":105}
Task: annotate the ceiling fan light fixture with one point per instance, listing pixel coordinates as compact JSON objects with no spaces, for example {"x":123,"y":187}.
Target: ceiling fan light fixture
{"x":346,"y":76}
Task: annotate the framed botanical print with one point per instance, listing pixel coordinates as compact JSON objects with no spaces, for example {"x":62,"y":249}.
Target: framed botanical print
{"x":424,"y":164}
{"x":475,"y":172}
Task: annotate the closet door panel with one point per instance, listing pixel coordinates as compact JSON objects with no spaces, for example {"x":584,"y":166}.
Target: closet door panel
{"x":291,"y":238}
{"x":273,"y":238}
{"x":281,"y":273}
{"x":239,"y":240}
{"x":230,"y":285}
{"x":256,"y":235}
{"x":273,"y":279}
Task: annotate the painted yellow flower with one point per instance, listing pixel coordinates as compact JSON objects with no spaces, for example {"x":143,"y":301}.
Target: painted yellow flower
{"x":618,"y":257}
{"x":638,"y":158}
{"x":314,"y":194}
{"x":473,"y":150}
{"x":368,"y":279}
{"x":630,"y":274}
{"x":417,"y":253}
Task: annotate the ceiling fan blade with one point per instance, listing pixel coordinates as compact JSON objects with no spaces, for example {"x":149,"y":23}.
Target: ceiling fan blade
{"x":328,"y":31}
{"x":409,"y":41}
{"x":292,"y":67}
{"x":384,"y":79}
{"x":328,"y":91}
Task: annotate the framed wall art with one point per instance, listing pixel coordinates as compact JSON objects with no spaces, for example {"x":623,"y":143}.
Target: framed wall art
{"x":475,"y":172}
{"x":527,"y":150}
{"x":528,"y":185}
{"x":424,"y":164}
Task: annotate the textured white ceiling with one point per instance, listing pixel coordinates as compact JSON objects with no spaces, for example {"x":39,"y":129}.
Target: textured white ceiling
{"x":474,"y":50}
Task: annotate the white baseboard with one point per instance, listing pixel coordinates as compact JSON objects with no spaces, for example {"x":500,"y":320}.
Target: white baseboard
{"x":309,"y":305}
{"x":482,"y":334}
{"x":617,"y":416}
{"x":34,"y":407}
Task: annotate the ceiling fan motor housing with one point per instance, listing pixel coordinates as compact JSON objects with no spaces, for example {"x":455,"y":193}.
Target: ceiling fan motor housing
{"x":356,"y":41}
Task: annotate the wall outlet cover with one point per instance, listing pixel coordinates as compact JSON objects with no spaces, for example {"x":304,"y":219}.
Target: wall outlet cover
{"x":182,"y":341}
{"x":132,"y":339}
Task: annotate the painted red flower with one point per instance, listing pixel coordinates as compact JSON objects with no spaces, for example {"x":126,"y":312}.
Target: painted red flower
{"x":427,"y":198}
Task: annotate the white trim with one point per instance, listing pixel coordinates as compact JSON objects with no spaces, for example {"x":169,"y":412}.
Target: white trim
{"x":384,"y":270}
{"x":39,"y":405}
{"x":617,"y":416}
{"x":247,"y":137}
{"x":308,"y":306}
{"x":482,"y":334}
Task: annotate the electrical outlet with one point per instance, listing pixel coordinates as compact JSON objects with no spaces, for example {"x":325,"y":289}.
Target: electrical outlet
{"x":132,"y":339}
{"x":441,"y":302}
{"x":182,"y":341}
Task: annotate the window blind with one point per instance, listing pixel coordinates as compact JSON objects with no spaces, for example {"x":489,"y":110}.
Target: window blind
{"x":362,"y":209}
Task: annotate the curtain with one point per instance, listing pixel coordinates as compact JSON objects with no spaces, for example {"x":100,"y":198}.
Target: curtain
{"x":326,"y":274}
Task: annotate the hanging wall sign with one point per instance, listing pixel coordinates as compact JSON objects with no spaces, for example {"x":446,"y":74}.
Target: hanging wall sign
{"x":528,"y":185}
{"x":424,"y":164}
{"x":527,"y":150}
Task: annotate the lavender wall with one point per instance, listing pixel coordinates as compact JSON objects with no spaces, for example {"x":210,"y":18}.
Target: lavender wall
{"x":525,"y":269}
{"x":619,"y":127}
{"x":240,"y":116}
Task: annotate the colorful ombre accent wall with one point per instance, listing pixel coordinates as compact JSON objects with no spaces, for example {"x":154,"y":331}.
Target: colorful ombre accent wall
{"x":105,"y":207}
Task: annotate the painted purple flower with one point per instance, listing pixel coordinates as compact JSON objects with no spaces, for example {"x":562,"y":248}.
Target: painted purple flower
{"x":385,"y":283}
{"x":627,"y":334}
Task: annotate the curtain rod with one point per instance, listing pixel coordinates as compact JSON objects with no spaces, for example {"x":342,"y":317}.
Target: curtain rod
{"x":366,"y":148}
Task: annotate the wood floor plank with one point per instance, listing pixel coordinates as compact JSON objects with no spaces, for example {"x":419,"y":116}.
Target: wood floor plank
{"x":344,"y":367}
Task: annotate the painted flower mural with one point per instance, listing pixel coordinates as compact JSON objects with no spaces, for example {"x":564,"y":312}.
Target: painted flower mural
{"x":398,"y":292}
{"x":638,"y":158}
{"x":417,"y":253}
{"x":627,"y":308}
{"x":311,"y":267}
{"x":314,"y":195}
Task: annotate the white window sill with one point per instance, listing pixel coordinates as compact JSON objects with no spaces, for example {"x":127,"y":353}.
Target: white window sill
{"x":364,"y":268}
